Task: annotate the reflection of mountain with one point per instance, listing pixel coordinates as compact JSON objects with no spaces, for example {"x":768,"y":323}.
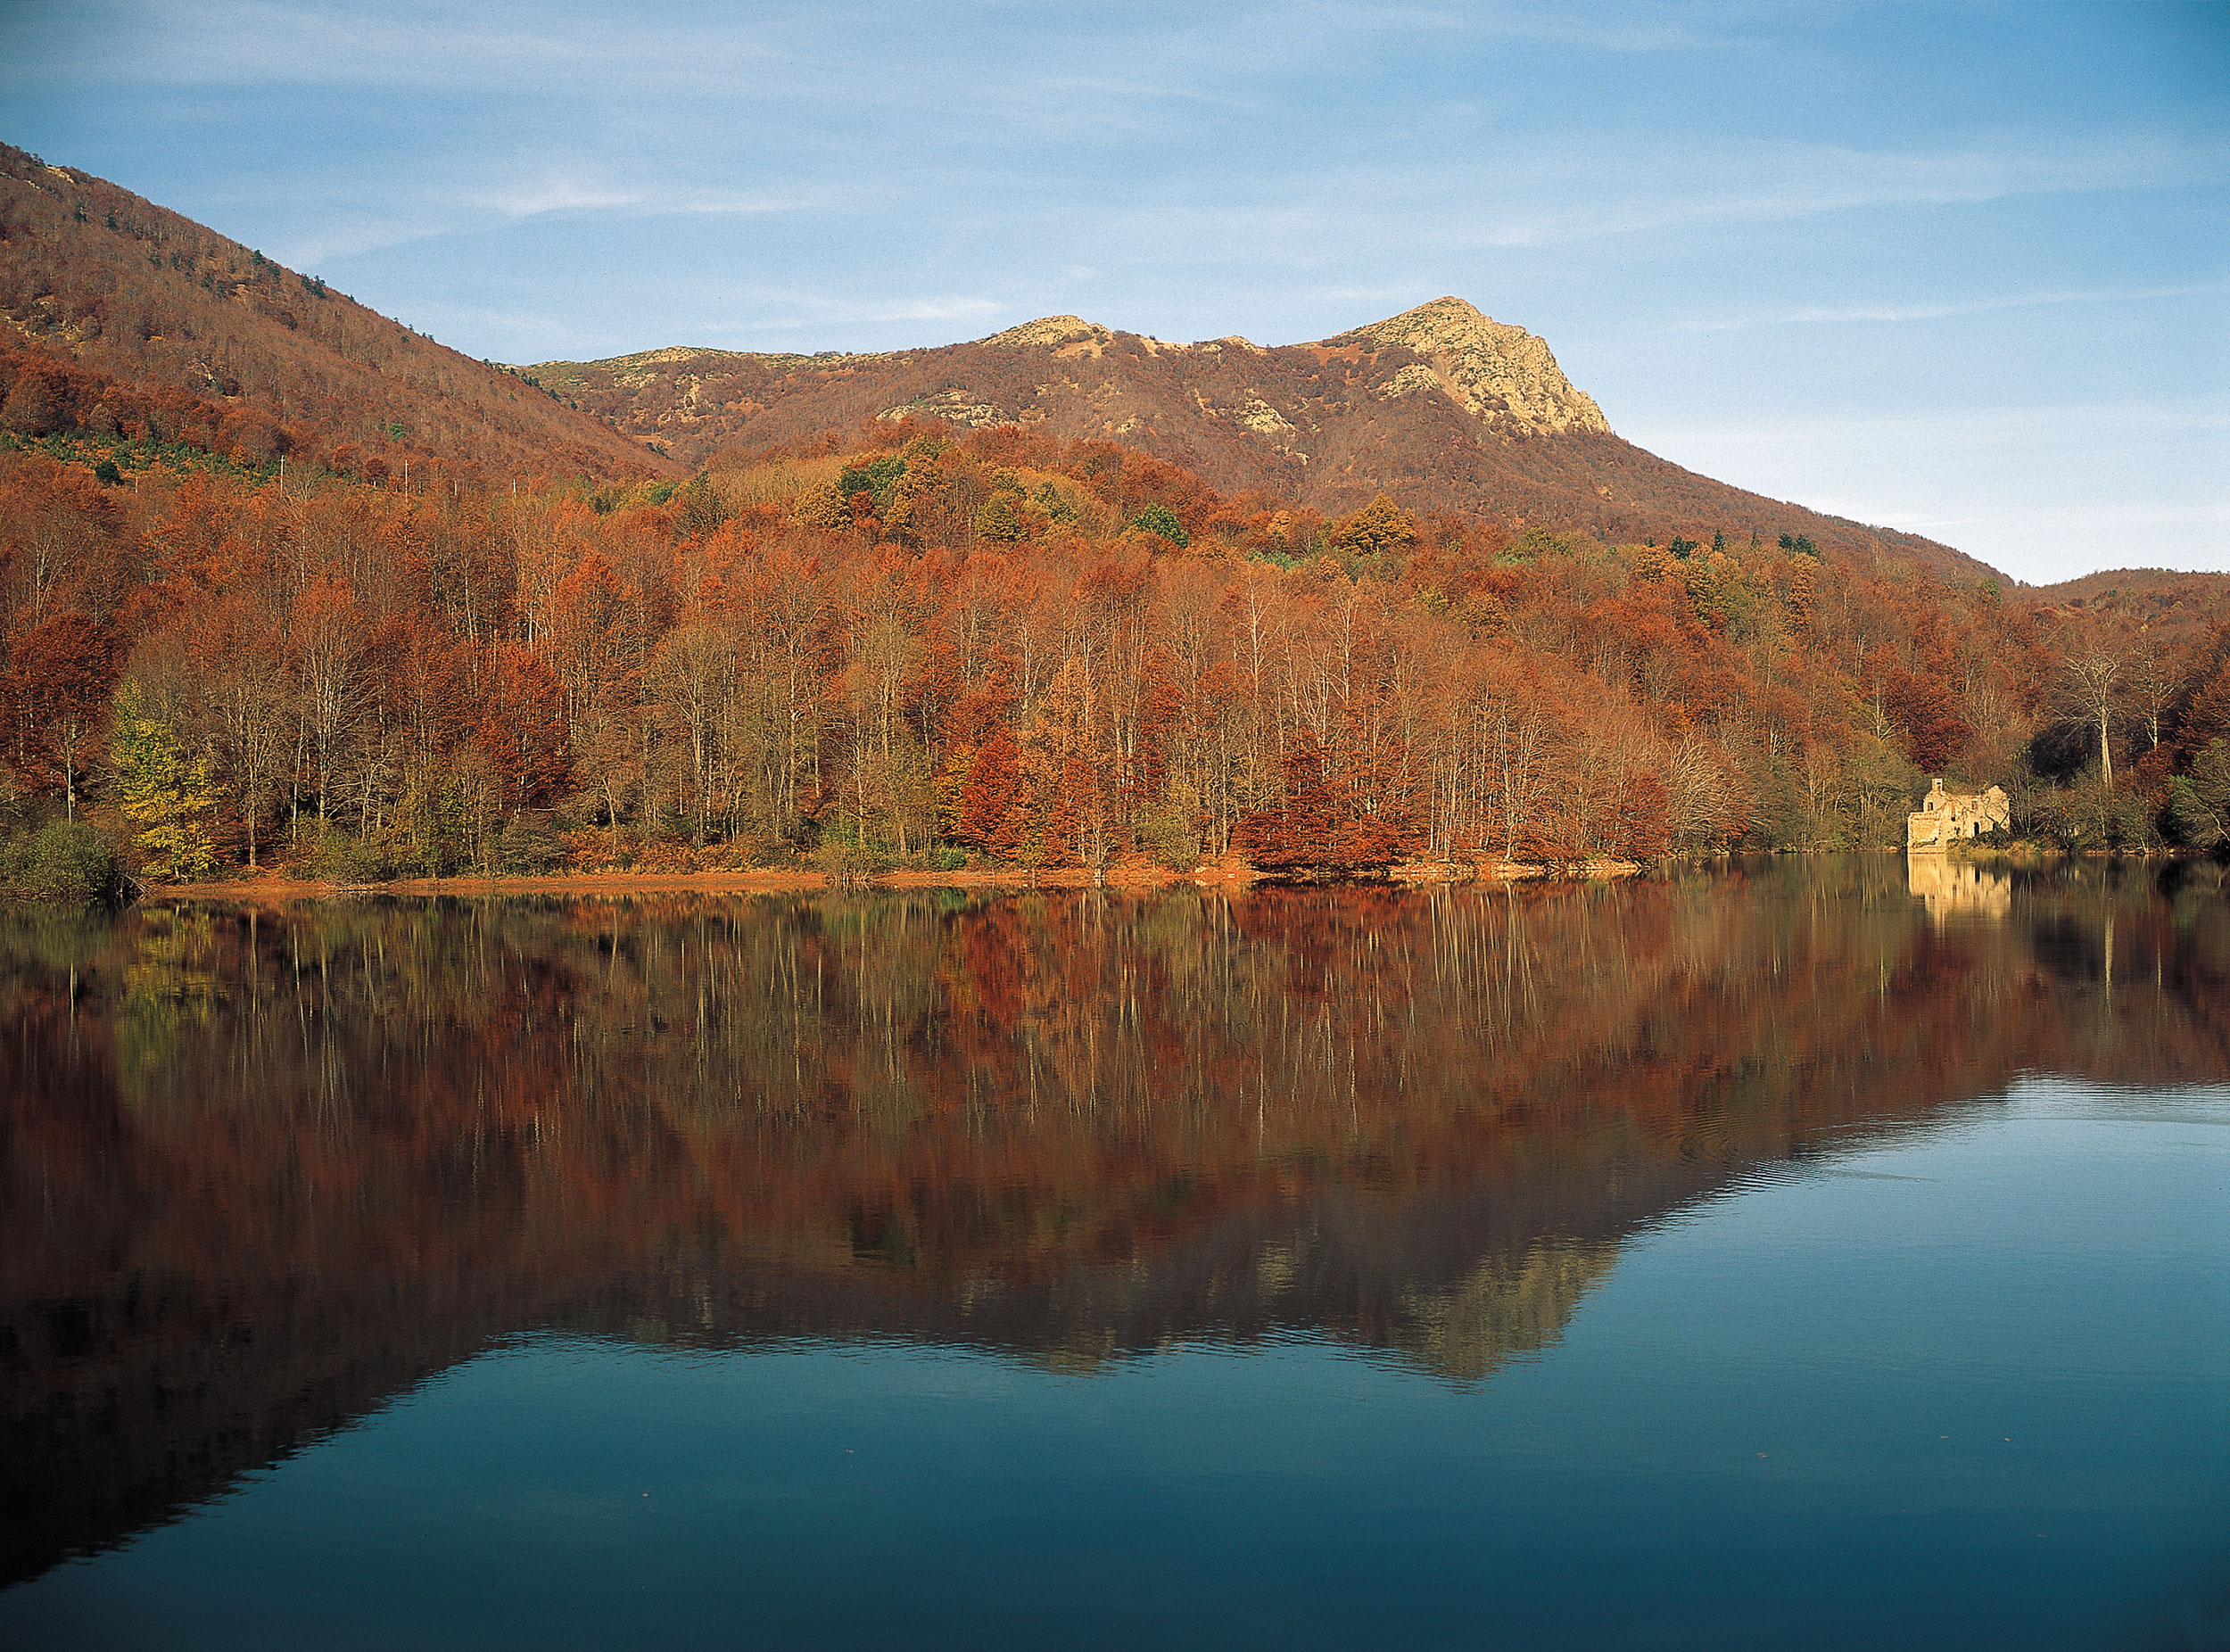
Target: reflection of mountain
{"x":264,"y":1171}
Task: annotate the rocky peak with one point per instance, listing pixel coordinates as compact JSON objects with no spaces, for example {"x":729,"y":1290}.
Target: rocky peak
{"x":1498,"y":374}
{"x":1051,"y":332}
{"x":1072,"y":335}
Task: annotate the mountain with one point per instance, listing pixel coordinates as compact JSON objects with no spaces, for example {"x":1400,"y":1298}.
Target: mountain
{"x":2171,"y":604}
{"x":118,"y":310}
{"x":124,"y":318}
{"x":1443,"y":408}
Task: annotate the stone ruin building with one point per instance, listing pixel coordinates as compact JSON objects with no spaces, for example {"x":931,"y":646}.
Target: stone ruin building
{"x":1943,"y":816}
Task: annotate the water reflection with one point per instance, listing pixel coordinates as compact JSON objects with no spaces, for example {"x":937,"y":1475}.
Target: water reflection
{"x":267,"y":1169}
{"x":1950,"y":889}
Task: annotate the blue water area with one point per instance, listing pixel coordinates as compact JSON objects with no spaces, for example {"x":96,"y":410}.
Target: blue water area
{"x":1964,"y":1385}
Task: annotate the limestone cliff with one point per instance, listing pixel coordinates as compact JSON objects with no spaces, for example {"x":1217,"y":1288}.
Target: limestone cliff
{"x":1498,"y":374}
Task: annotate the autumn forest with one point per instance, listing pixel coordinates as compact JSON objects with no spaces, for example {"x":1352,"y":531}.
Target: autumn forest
{"x":1014,"y":650}
{"x":238,"y":634}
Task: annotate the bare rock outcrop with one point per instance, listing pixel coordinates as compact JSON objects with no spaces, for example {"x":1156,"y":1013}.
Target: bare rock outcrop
{"x":1498,"y":374}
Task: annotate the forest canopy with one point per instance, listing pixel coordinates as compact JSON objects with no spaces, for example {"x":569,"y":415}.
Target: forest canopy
{"x":919,"y":646}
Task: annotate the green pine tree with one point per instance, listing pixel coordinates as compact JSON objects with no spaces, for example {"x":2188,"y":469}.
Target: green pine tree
{"x":997,"y":522}
{"x":1160,"y":519}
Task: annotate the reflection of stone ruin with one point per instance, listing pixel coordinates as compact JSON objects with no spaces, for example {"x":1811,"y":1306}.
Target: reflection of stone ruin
{"x":1943,"y":816}
{"x":1947,"y":887}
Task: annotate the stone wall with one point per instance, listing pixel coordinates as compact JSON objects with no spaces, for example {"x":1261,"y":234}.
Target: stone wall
{"x":1945,"y":816}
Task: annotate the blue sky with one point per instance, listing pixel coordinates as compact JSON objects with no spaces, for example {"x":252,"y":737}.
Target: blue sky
{"x":1960,"y":269}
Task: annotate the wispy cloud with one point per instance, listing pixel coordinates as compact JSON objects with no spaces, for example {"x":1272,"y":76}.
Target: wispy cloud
{"x":1943,"y":310}
{"x":2120,"y":520}
{"x":1164,"y":51}
{"x":1598,"y":188}
{"x":555,"y":195}
{"x":782,"y":313}
{"x":430,"y":212}
{"x":1550,"y":192}
{"x":1951,"y":431}
{"x":532,"y":334}
{"x":1219,"y":118}
{"x":268,"y":42}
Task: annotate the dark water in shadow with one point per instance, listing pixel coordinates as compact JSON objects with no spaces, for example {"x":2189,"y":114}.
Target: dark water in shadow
{"x":1561,"y":1267}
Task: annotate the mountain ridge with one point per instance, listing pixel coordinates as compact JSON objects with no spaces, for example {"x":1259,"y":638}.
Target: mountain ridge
{"x":1440,"y":406}
{"x":102,"y":287}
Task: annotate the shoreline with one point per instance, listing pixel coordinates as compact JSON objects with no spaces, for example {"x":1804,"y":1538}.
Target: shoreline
{"x":1126,"y":878}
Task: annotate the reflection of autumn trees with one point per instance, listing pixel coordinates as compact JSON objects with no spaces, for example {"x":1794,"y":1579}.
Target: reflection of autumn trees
{"x":781,"y":1072}
{"x":813,"y":1060}
{"x":265,"y":1168}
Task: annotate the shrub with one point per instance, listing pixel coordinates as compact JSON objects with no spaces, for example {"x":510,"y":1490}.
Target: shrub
{"x":1163,"y":834}
{"x":67,"y":861}
{"x":530,"y":844}
{"x":333,"y":856}
{"x":843,"y":864}
{"x":2200,"y":805}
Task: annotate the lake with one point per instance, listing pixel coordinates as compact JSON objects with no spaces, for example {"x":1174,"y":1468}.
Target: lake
{"x":1825,"y":1254}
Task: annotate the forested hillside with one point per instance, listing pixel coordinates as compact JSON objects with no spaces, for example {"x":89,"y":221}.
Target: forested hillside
{"x":1442,"y":407}
{"x":2169,"y":603}
{"x":126,"y":320}
{"x":928,"y":647}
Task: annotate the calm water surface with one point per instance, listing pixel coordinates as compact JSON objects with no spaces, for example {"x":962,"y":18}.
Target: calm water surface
{"x":1816,"y":1255}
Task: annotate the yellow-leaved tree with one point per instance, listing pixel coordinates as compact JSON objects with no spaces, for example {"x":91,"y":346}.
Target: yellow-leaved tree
{"x":165,"y":792}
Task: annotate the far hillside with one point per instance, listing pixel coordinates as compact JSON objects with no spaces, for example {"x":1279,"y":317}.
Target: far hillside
{"x":2168,"y":601}
{"x":1444,"y":409}
{"x":121,"y":312}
